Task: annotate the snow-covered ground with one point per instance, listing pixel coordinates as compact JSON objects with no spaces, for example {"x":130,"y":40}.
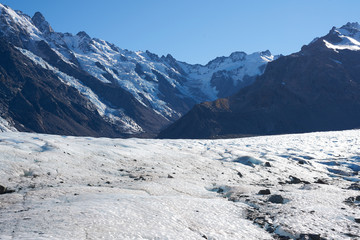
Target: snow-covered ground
{"x":88,"y":188}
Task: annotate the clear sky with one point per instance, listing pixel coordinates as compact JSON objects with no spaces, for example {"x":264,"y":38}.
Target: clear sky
{"x":197,"y":31}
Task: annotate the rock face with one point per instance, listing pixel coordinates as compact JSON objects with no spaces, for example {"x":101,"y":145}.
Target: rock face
{"x":316,"y":89}
{"x":139,"y":93}
{"x":40,"y":22}
{"x":36,"y":100}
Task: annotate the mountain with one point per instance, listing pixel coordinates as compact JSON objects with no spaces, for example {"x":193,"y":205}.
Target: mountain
{"x":316,"y":89}
{"x":138,"y":93}
{"x":38,"y":100}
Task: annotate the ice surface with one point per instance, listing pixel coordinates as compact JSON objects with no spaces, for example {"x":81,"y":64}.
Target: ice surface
{"x":92,"y":188}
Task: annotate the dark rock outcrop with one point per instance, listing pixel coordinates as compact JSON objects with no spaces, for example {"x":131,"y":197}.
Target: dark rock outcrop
{"x":40,"y":22}
{"x":276,"y":199}
{"x":4,"y":190}
{"x":264,"y":192}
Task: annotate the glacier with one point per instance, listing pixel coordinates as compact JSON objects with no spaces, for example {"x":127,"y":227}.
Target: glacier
{"x":91,"y":188}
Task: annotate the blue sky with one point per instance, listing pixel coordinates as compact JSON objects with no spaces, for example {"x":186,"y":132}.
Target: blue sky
{"x":197,"y":31}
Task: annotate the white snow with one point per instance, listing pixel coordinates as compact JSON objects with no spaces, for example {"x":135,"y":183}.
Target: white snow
{"x":350,"y":38}
{"x":6,"y":126}
{"x":21,"y":21}
{"x":239,"y":65}
{"x":349,"y":45}
{"x":98,"y":188}
{"x":116,"y":116}
{"x":100,"y":51}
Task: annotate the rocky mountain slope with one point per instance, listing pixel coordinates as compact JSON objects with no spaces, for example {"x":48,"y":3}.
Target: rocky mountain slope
{"x":316,"y":89}
{"x":39,"y":100}
{"x":137,"y":92}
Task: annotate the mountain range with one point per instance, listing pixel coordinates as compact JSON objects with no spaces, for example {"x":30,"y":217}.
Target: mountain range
{"x":77,"y":85}
{"x":315,"y":89}
{"x":60,"y":83}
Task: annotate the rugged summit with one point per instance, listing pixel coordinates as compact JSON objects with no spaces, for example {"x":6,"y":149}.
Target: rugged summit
{"x":316,"y":89}
{"x":139,"y":92}
{"x":40,"y":22}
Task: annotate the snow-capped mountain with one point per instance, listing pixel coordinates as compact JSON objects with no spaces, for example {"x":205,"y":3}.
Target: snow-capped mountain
{"x":346,"y":37}
{"x":316,"y":89}
{"x":161,"y":89}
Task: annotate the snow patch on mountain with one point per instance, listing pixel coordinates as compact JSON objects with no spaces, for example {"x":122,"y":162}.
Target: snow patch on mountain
{"x":113,"y":115}
{"x":110,"y":64}
{"x":18,"y":19}
{"x":6,"y":126}
{"x":238,"y":65}
{"x":349,"y":38}
{"x":347,"y":43}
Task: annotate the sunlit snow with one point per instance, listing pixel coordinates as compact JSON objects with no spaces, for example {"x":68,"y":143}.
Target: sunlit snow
{"x":350,"y":38}
{"x":113,"y":115}
{"x":92,"y":188}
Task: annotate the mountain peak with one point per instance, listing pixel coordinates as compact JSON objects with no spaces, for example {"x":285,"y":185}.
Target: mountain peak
{"x":346,"y":37}
{"x":351,"y":29}
{"x":83,"y":34}
{"x":169,"y":58}
{"x":351,"y":26}
{"x":266,"y":53}
{"x":237,"y":56}
{"x":41,"y":23}
{"x":2,"y":6}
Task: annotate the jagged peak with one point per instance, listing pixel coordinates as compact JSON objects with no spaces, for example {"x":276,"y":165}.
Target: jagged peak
{"x":237,"y":56}
{"x":83,"y":34}
{"x":351,"y":25}
{"x":41,"y":23}
{"x":153,"y":56}
{"x":346,"y":37}
{"x":39,"y":16}
{"x":349,"y":29}
{"x":217,"y":59}
{"x":266,"y":53}
{"x":168,"y":58}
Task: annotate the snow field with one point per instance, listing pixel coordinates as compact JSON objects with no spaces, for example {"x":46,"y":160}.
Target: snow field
{"x":98,"y":188}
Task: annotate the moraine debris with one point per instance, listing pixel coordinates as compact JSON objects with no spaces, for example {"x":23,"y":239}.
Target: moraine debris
{"x":264,"y":192}
{"x":278,"y":199}
{"x":4,"y":190}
